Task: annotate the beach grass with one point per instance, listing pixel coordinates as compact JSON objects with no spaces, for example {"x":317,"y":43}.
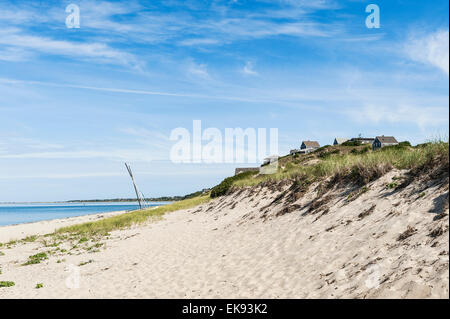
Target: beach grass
{"x":35,"y":259}
{"x":104,"y":226}
{"x":363,"y":165}
{"x":6,"y":283}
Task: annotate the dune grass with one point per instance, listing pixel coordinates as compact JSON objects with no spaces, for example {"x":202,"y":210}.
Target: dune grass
{"x":362,"y":165}
{"x":6,"y":283}
{"x":104,"y":226}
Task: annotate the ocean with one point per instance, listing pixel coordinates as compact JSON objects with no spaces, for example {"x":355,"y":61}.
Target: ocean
{"x":11,"y":214}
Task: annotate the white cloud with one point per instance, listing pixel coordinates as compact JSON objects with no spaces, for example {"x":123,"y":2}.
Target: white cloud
{"x":16,"y":41}
{"x":402,"y":113}
{"x":232,"y":29}
{"x":199,"y":70}
{"x":139,"y":155}
{"x":198,"y":41}
{"x":432,"y":49}
{"x":13,"y":54}
{"x":248,"y":69}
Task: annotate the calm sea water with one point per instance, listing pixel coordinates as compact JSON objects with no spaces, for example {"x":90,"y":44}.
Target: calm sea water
{"x":11,"y":214}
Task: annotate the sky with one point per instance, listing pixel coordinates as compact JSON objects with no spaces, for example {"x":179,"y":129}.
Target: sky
{"x":76,"y":103}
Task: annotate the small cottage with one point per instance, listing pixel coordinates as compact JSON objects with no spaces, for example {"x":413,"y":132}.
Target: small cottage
{"x":382,"y":141}
{"x":309,"y":145}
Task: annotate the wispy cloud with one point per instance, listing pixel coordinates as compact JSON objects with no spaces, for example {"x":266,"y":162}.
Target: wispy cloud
{"x":14,"y":54}
{"x":136,"y":154}
{"x":421,"y":116}
{"x":199,"y":70}
{"x":249,"y":69}
{"x":198,"y":42}
{"x":15,"y":40}
{"x":111,"y":21}
{"x":432,"y":49}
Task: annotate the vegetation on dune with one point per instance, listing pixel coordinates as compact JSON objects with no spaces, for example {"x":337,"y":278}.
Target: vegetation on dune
{"x":104,"y":226}
{"x":351,"y":143}
{"x":85,"y":262}
{"x":36,"y":259}
{"x":362,"y":165}
{"x":226,"y":184}
{"x":6,"y":283}
{"x":30,"y":239}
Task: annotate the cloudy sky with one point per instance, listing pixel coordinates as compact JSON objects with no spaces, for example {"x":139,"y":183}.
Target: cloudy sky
{"x":75,"y":103}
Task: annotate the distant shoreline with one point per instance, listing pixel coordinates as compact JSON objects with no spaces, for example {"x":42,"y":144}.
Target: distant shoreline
{"x":161,"y":199}
{"x":17,"y":214}
{"x":42,"y":227}
{"x":88,"y":201}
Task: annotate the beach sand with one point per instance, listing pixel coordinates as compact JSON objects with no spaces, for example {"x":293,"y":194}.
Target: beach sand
{"x":246,"y":246}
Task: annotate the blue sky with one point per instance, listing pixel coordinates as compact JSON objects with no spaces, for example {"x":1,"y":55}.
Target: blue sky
{"x":76,"y":103}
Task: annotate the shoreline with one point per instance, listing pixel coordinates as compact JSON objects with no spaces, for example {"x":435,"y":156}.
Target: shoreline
{"x":84,"y":202}
{"x":20,"y":231}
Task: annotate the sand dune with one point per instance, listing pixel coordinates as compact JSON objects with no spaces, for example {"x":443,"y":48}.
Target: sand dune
{"x":262,"y":242}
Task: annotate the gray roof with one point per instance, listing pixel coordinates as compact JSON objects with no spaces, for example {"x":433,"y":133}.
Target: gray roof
{"x":387,"y":139}
{"x":311,"y":143}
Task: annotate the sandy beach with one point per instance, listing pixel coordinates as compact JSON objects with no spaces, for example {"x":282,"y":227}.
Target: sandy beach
{"x":246,"y":246}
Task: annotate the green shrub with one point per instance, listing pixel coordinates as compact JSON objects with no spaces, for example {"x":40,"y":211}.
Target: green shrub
{"x":363,"y":150}
{"x":7,"y":283}
{"x":320,"y":149}
{"x":226,"y":184}
{"x":351,"y":143}
{"x":423,"y":145}
{"x":405,"y":143}
{"x":40,"y":285}
{"x":399,"y":146}
{"x":30,"y":239}
{"x":328,"y":154}
{"x":85,"y":262}
{"x":36,"y":259}
{"x":391,"y":185}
